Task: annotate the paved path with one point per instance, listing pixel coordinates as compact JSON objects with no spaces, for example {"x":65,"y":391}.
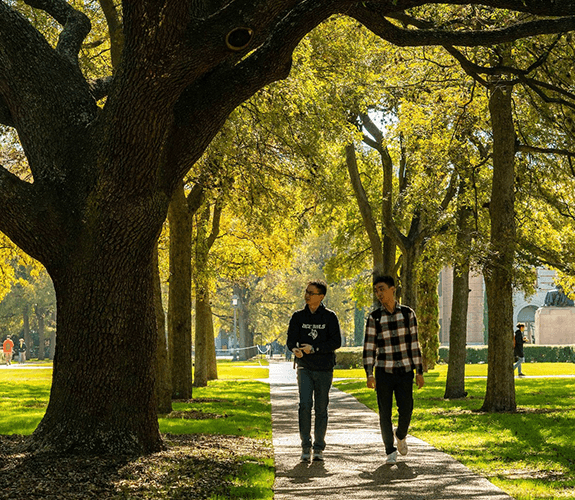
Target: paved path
{"x":354,"y":466}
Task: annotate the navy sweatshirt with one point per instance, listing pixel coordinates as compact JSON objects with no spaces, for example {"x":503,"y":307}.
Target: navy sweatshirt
{"x":320,"y":330}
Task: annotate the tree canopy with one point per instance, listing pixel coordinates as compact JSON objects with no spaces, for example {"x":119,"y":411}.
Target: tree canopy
{"x":108,"y":141}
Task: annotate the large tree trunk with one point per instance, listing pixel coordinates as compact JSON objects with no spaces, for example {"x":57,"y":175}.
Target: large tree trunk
{"x":500,"y":393}
{"x":180,"y":298}
{"x":102,"y":397}
{"x":163,"y":367}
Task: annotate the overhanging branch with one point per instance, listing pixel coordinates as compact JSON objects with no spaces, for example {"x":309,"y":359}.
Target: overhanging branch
{"x":75,"y":24}
{"x":404,"y":37}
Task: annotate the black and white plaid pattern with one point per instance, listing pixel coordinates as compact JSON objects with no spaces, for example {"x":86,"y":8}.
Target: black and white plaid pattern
{"x":395,"y":346}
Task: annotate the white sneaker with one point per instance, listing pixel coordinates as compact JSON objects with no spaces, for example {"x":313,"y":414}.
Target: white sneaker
{"x":401,"y":445}
{"x":391,"y":458}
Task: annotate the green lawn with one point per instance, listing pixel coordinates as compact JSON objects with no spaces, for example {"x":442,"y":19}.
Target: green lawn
{"x":528,"y":454}
{"x":237,"y":404}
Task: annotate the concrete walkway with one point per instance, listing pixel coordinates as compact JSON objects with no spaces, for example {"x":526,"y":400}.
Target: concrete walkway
{"x":354,"y":466}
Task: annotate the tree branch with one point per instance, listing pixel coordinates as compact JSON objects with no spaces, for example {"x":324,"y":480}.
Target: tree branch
{"x":24,"y":216}
{"x":5,"y":115}
{"x":214,"y":96}
{"x":524,"y":148}
{"x":378,"y":24}
{"x":76,"y":26}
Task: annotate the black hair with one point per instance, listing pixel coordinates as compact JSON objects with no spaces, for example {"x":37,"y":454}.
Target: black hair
{"x":321,"y":285}
{"x":381,"y":278}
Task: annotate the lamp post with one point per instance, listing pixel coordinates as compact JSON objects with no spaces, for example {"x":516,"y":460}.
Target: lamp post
{"x":235,"y":299}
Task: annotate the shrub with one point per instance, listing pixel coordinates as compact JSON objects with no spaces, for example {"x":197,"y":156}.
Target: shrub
{"x":533,"y":354}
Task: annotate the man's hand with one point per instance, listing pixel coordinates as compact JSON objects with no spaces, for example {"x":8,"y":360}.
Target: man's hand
{"x":307,"y":348}
{"x":371,"y":382}
{"x":298,"y":352}
{"x":420,"y":382}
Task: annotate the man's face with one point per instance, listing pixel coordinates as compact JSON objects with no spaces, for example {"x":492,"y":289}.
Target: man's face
{"x":313,"y":296}
{"x":384,"y":293}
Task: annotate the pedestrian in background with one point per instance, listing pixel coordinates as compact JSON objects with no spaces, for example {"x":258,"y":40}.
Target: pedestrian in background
{"x":519,"y":339}
{"x":21,"y":350}
{"x":7,"y":348}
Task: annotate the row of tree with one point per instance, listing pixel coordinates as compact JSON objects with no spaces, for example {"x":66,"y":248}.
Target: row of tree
{"x":111,"y":121}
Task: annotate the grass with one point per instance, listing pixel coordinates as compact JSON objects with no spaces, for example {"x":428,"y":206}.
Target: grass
{"x":528,"y":454}
{"x":237,"y":404}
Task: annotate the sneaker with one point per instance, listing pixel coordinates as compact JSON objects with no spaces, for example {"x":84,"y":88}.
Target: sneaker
{"x":391,"y":458}
{"x":521,"y":375}
{"x":318,"y":456}
{"x":305,"y":456}
{"x":401,"y":445}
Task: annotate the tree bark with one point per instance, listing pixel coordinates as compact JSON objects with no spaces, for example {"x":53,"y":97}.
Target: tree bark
{"x":428,"y":314}
{"x":180,"y":295}
{"x":41,"y":333}
{"x":500,"y":393}
{"x":455,"y":383}
{"x":163,"y":367}
{"x":205,"y":356}
{"x":26,"y":330}
{"x":203,"y":323}
{"x":102,"y":398}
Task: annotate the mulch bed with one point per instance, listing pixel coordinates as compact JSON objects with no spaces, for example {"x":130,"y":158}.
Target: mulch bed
{"x":191,"y":467}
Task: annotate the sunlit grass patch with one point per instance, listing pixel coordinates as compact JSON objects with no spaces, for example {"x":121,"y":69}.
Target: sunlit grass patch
{"x":529,"y":453}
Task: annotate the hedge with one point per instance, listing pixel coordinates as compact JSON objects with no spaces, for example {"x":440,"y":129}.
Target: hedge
{"x":351,"y":357}
{"x":533,"y":354}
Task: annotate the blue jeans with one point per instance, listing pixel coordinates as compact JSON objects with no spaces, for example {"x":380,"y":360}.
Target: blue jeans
{"x":386,"y":385}
{"x":314,"y":389}
{"x":518,"y":365}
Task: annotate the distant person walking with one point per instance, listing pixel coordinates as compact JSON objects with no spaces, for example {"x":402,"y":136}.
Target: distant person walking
{"x":313,"y":336}
{"x":21,"y":350}
{"x":391,"y":346}
{"x":7,"y":348}
{"x":518,"y":340}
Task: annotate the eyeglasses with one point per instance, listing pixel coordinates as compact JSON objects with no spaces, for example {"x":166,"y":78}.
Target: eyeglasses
{"x":308,"y":292}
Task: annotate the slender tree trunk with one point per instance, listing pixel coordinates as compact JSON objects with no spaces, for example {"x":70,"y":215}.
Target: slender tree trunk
{"x":26,"y":331}
{"x":211,"y":346}
{"x":500,"y":393}
{"x":162,"y":368}
{"x":428,"y":315}
{"x":41,"y":333}
{"x":180,"y":295}
{"x":52,"y":350}
{"x":455,"y":383}
{"x":365,"y":210}
{"x":203,"y":324}
{"x":409,"y":277}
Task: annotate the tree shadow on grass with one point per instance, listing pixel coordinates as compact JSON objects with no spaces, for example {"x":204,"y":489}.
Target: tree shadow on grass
{"x":191,"y":466}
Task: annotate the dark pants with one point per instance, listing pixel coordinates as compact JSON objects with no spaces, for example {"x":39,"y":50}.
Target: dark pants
{"x":314,"y":389}
{"x":386,"y":385}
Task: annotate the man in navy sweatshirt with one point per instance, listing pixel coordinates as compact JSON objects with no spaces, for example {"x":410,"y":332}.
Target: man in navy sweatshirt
{"x":313,"y":336}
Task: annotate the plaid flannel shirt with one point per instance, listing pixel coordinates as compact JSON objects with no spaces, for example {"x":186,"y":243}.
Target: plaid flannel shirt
{"x":396,"y":347}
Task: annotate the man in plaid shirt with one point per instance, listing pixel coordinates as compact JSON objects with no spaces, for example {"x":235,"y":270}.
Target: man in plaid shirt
{"x":391,"y":347}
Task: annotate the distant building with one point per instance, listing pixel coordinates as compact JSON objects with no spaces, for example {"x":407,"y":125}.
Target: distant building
{"x":524,"y":308}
